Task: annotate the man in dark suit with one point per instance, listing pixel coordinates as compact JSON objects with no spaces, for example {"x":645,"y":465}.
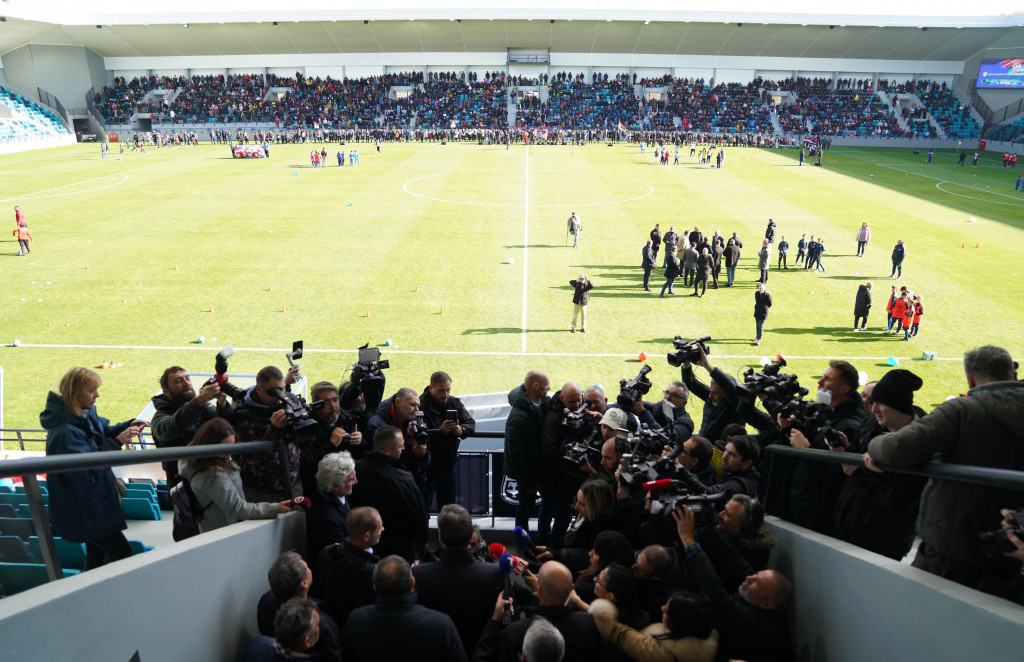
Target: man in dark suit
{"x":392,"y":490}
{"x":650,"y":260}
{"x":656,"y":240}
{"x":325,"y":521}
{"x":459,"y":584}
{"x":344,"y":570}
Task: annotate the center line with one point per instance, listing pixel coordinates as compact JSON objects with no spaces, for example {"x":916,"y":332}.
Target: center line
{"x":526,"y":242}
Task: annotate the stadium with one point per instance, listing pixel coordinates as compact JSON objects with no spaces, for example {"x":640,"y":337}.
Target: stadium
{"x":399,"y":176}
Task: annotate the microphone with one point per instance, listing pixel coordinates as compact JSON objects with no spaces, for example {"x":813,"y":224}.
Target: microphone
{"x":505,"y":565}
{"x":302,"y":504}
{"x":523,"y":537}
{"x":658,"y":485}
{"x":497,"y":551}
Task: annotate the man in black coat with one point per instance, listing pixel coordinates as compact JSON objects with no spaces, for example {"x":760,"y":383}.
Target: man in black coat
{"x":670,"y":413}
{"x":720,"y":398}
{"x":769,"y":232}
{"x":449,"y":423}
{"x":717,"y":251}
{"x":862,"y":306}
{"x":325,"y":521}
{"x":396,"y":628}
{"x":344,"y":571}
{"x":704,"y":264}
{"x":731,"y":255}
{"x":649,"y":259}
{"x":582,"y":640}
{"x":671,"y":239}
{"x":459,"y":584}
{"x":899,"y":252}
{"x":750,"y":621}
{"x":656,"y":240}
{"x":389,"y":488}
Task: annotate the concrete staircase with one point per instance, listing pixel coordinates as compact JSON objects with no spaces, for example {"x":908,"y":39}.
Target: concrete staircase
{"x":776,"y":123}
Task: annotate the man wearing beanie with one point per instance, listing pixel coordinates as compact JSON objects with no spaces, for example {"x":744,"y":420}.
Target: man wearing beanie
{"x":877,"y":511}
{"x":984,"y":428}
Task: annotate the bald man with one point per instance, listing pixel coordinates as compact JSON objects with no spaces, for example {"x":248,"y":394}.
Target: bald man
{"x":582,"y":640}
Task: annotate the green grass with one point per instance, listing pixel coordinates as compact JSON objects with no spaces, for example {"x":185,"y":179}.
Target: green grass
{"x":138,"y":259}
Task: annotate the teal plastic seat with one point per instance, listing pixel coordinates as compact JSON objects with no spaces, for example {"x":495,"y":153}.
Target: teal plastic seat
{"x":14,"y":550}
{"x":71,"y":554}
{"x":18,"y":577}
{"x":17,"y":526}
{"x":143,"y":509}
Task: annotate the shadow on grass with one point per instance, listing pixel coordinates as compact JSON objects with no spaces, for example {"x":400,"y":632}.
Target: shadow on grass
{"x":488,"y":331}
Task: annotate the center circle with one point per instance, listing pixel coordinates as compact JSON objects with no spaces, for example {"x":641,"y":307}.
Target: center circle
{"x":609,"y":189}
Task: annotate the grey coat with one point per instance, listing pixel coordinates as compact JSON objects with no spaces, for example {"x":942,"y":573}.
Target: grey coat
{"x":219,"y":491}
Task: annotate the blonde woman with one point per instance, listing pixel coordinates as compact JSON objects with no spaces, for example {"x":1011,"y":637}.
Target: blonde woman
{"x":85,"y":505}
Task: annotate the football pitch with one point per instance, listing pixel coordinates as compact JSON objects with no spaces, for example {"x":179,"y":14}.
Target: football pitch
{"x":458,"y":255}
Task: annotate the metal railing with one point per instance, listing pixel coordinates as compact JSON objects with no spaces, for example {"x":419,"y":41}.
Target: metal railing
{"x":28,"y":468}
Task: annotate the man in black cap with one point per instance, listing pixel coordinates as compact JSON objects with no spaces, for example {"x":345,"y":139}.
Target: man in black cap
{"x":877,"y":511}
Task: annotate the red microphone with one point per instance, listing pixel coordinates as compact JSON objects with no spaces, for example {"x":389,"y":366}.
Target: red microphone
{"x":496,"y":549}
{"x":657,"y":485}
{"x":301,"y":504}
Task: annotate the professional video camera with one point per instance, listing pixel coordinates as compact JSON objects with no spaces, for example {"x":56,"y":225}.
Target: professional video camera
{"x":667,"y":495}
{"x":642,"y":461}
{"x":687,"y":351}
{"x":633,"y":390}
{"x":574,"y":425}
{"x":995,"y":543}
{"x":299,"y":414}
{"x":367,"y":369}
{"x":777,"y":388}
{"x":812,"y":418}
{"x":577,"y":452}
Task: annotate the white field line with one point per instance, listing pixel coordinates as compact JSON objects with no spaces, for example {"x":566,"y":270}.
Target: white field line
{"x":86,"y":181}
{"x":428,"y":352}
{"x":526,"y":243}
{"x":941,"y":181}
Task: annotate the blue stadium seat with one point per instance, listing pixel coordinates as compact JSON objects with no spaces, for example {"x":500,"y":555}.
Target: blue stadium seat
{"x":18,"y":577}
{"x":17,"y":526}
{"x":138,"y":547}
{"x":71,"y":554}
{"x":144,"y":509}
{"x":14,"y":550}
{"x":7,"y":510}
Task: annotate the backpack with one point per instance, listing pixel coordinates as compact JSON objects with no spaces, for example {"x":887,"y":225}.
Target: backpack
{"x":188,"y":512}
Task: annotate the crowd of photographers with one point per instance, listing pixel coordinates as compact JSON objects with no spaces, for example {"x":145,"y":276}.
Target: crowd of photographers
{"x":649,"y":543}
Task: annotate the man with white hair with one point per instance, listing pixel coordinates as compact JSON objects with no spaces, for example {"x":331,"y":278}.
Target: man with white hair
{"x":325,"y":521}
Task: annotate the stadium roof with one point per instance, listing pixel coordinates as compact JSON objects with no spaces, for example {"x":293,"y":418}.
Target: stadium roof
{"x":917,"y":30}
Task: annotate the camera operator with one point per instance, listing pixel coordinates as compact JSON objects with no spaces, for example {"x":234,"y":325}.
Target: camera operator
{"x":813,"y":487}
{"x":449,"y":423}
{"x":742,"y":522}
{"x":981,"y":429}
{"x":738,"y":473}
{"x":720,"y":399}
{"x":696,"y":458}
{"x":329,"y":437}
{"x":260,"y":417}
{"x":876,"y":511}
{"x":565,"y":426}
{"x":360,"y":397}
{"x":179,"y":411}
{"x":400,"y":411}
{"x":670,"y":413}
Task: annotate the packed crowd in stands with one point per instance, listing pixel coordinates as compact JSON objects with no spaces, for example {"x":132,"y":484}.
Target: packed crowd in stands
{"x":461,"y":100}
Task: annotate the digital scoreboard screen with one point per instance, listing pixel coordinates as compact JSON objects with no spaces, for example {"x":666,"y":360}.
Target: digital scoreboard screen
{"x":1005,"y":74}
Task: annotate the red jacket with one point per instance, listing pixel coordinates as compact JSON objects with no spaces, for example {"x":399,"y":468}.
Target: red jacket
{"x":22,"y":233}
{"x":918,"y":312}
{"x":900,"y":309}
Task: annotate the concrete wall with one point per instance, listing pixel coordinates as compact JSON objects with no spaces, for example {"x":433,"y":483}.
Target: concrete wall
{"x":850,"y":605}
{"x":67,"y":72}
{"x":193,"y":600}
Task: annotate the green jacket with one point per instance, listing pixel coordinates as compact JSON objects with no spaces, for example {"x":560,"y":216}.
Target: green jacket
{"x":985,"y":428}
{"x":522,"y":435}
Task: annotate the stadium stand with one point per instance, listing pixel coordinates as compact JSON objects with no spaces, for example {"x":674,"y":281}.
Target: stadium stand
{"x":22,"y":119}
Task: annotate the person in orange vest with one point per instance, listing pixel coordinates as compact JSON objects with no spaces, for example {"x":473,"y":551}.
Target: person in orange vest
{"x":899,"y":314}
{"x":918,"y":314}
{"x":22,"y":233}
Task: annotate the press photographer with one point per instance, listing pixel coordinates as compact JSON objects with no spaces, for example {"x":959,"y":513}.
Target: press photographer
{"x":329,"y":435}
{"x":670,"y":413}
{"x":363,"y":392}
{"x":720,"y":397}
{"x":267,"y":413}
{"x":402,"y":410}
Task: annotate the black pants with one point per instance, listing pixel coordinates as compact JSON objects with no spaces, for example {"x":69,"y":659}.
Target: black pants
{"x":764,"y":276}
{"x":527,"y":495}
{"x":863,"y":321}
{"x":689,"y":275}
{"x":647,"y":277}
{"x":860,"y":247}
{"x":800,"y":255}
{"x":114,"y":546}
{"x":782,"y":261}
{"x":897,"y":270}
{"x":701,"y":283}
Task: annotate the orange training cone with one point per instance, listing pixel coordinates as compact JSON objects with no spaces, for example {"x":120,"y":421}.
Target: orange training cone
{"x":977,"y":245}
{"x":442,"y":311}
{"x":175,"y":267}
{"x":87,"y":266}
{"x":282,"y":309}
{"x":367,"y":313}
{"x":270,"y":288}
{"x":211,"y":309}
{"x":963,"y":245}
{"x":642,"y":357}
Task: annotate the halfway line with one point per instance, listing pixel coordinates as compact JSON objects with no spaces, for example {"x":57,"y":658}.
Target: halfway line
{"x":526,"y":242}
